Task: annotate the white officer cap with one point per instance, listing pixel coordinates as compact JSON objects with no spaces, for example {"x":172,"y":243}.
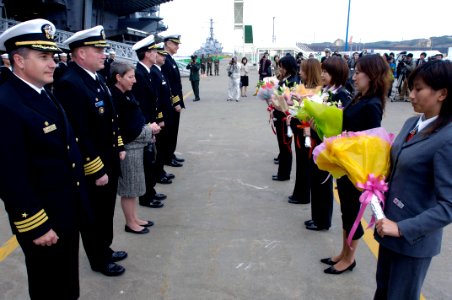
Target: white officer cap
{"x":63,"y":54}
{"x":145,"y":44}
{"x":55,"y":55}
{"x":112,"y":52}
{"x":37,"y":34}
{"x":93,"y":37}
{"x":5,"y":55}
{"x":160,"y":47}
{"x":172,"y":37}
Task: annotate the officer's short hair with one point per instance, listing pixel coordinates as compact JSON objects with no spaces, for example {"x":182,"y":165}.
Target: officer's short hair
{"x":22,"y":51}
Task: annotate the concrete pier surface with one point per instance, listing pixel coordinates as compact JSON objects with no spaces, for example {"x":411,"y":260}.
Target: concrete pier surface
{"x":226,"y":230}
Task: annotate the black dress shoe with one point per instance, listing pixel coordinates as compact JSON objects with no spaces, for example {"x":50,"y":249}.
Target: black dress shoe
{"x":308,"y":222}
{"x":328,"y":261}
{"x":152,"y":204}
{"x":170,"y":176}
{"x":149,"y":224}
{"x":178,"y":159}
{"x":111,"y":269}
{"x":295,"y":200}
{"x":118,"y":255}
{"x":277,"y":178}
{"x":332,"y":270}
{"x":164,"y":180}
{"x":315,"y":227}
{"x":174,"y":163}
{"x":142,"y":231}
{"x":159,"y":197}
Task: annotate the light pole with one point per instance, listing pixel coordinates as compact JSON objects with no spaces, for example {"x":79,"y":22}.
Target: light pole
{"x":346,"y":32}
{"x":273,"y":36}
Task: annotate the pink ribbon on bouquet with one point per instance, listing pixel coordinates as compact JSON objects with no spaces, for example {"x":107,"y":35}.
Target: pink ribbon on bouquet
{"x":374,"y":186}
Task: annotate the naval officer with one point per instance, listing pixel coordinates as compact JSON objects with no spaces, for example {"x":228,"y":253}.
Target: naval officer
{"x":88,"y":103}
{"x":41,"y":174}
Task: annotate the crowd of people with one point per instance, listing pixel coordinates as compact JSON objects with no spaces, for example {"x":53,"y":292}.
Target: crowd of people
{"x":80,"y":137}
{"x":419,"y":197}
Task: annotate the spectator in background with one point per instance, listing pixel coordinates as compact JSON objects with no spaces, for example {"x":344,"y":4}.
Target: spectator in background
{"x":265,"y":69}
{"x":421,"y":60}
{"x":244,"y":69}
{"x":194,"y":67}
{"x":439,"y":56}
{"x":276,"y":65}
{"x":234,"y":80}
{"x":406,"y":69}
{"x":5,"y":69}
{"x":216,"y":65}
{"x":327,"y":54}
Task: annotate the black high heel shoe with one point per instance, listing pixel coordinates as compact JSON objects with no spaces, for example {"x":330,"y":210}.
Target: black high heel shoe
{"x":332,"y":269}
{"x":328,"y":261}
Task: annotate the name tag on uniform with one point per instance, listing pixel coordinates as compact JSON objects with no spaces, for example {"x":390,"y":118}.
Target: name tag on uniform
{"x":99,"y":103}
{"x":49,"y":128}
{"x":398,"y":203}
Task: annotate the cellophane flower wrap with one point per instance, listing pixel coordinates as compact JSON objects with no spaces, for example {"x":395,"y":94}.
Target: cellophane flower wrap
{"x":315,"y":107}
{"x":364,"y":157}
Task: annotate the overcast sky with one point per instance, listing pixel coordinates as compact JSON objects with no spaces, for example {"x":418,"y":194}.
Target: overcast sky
{"x":307,"y":21}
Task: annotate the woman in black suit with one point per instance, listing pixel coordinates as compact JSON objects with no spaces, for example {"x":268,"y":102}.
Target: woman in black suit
{"x":372,"y":81}
{"x":419,"y":199}
{"x":137,"y":135}
{"x":334,"y":75}
{"x":289,"y":77}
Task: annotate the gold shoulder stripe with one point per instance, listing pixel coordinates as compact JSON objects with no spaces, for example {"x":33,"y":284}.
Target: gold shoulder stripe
{"x":34,"y":226}
{"x":120,"y":142}
{"x":92,"y":163}
{"x":37,"y":220}
{"x":30,"y":219}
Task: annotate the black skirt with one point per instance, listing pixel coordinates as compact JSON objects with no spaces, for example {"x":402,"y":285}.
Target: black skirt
{"x":243,"y":80}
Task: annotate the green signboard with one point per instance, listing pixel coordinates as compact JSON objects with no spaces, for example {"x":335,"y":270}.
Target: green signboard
{"x":248,"y":34}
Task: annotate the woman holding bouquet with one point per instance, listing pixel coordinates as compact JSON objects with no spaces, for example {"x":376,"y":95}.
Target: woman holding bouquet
{"x":372,"y":81}
{"x":334,"y":76}
{"x":419,"y":199}
{"x":289,"y":77}
{"x":310,"y":71}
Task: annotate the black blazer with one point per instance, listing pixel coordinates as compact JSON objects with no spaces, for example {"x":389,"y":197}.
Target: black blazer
{"x":362,"y":115}
{"x":41,"y":173}
{"x":172,"y":74}
{"x":131,"y":119}
{"x":145,"y":92}
{"x":163,"y":97}
{"x":90,"y":109}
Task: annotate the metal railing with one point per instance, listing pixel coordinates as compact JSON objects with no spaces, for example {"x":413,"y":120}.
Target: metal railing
{"x":123,"y":51}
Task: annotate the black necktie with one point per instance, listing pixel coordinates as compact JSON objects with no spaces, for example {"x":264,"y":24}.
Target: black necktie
{"x":46,"y":96}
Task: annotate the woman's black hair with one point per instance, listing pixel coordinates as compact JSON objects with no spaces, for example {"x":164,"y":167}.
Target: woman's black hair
{"x":437,"y":75}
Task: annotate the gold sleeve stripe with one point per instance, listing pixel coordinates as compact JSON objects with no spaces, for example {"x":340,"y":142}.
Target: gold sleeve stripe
{"x":37,"y":220}
{"x":92,"y":163}
{"x":30,"y":219}
{"x":160,"y":115}
{"x":120,"y":142}
{"x":94,"y":169}
{"x":175,"y":99}
{"x":35,"y":225}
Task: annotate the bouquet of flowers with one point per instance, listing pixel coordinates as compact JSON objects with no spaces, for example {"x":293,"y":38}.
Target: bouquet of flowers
{"x":314,"y":108}
{"x":364,"y":157}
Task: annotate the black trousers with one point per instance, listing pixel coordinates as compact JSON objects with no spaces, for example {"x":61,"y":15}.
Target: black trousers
{"x":164,"y":154}
{"x":173,"y":132}
{"x":53,"y":270}
{"x":98,"y":238}
{"x":284,"y":145}
{"x":150,"y":172}
{"x":302,"y":188}
{"x":399,"y":276}
{"x":195,"y":87}
{"x":350,"y":205}
{"x":321,"y":196}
